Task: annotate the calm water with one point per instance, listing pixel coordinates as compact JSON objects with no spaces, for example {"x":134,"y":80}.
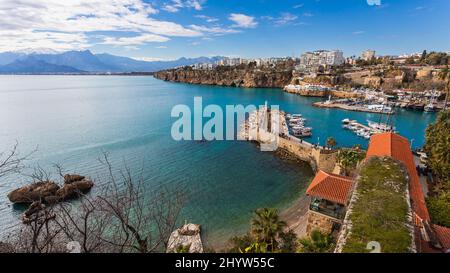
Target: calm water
{"x":74,"y":119}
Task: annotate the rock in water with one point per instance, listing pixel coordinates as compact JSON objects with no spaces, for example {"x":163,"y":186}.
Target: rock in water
{"x":74,"y":189}
{"x":188,"y":235}
{"x":70,"y":178}
{"x":34,"y":192}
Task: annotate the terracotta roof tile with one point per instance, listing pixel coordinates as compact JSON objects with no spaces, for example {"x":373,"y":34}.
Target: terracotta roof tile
{"x":443,"y":235}
{"x":331,"y":187}
{"x":397,"y":147}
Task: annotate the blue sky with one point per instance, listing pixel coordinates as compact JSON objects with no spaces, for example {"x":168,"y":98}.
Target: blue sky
{"x":169,"y":29}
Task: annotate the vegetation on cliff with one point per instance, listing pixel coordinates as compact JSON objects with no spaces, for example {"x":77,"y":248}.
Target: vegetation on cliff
{"x":437,"y":147}
{"x":380,"y":212}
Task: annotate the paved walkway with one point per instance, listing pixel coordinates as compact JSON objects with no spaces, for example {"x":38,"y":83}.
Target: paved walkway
{"x":422,"y":179}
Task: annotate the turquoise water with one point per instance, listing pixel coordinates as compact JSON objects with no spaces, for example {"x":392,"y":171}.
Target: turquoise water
{"x":74,"y":119}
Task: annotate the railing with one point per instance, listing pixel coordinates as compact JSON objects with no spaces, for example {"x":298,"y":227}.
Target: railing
{"x":335,"y":213}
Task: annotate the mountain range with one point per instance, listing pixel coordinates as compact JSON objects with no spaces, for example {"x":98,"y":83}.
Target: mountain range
{"x":85,"y":62}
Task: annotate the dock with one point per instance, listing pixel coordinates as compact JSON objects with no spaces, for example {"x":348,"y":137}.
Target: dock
{"x":347,"y":107}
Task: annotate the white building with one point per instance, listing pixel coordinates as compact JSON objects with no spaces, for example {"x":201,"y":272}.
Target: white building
{"x":368,"y":55}
{"x":322,"y":57}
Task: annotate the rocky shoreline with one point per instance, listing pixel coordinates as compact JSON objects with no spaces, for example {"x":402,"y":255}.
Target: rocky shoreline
{"x":42,"y":193}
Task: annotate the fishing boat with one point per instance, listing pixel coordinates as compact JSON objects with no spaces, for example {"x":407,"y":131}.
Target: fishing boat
{"x":383,"y":127}
{"x":301,"y":133}
{"x":430,"y":108}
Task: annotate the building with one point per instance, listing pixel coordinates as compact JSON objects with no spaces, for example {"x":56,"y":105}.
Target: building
{"x":368,"y":55}
{"x":203,"y":66}
{"x":230,"y":62}
{"x":322,"y":58}
{"x":330,"y":195}
{"x":428,"y":237}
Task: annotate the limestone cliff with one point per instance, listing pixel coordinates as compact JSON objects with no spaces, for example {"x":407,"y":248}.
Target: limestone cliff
{"x":229,"y":76}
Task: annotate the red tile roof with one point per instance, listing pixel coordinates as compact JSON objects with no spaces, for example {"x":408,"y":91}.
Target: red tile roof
{"x":443,"y":235}
{"x":397,"y":147}
{"x":331,"y":187}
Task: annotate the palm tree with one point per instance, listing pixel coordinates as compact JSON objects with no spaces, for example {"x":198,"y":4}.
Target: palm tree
{"x":266,"y":226}
{"x":331,"y":142}
{"x":317,"y":243}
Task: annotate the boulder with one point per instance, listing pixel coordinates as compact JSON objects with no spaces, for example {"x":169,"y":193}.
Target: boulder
{"x":32,"y":209}
{"x":34,"y":192}
{"x":70,"y":178}
{"x":186,"y":236}
{"x":74,"y":189}
{"x":6,"y":248}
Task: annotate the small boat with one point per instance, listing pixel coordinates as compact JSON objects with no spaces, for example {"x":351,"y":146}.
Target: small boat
{"x":296,"y":115}
{"x":346,"y":121}
{"x":301,"y":133}
{"x":381,"y":126}
{"x":430,"y":108}
{"x":296,"y":123}
{"x":297,"y":119}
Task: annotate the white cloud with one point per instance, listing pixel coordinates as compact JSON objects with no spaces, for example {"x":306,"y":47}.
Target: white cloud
{"x":285,"y":18}
{"x":64,"y":25}
{"x":216,"y":30}
{"x":242,"y":20}
{"x":136,"y":40}
{"x":359,"y":32}
{"x":176,"y":5}
{"x":207,"y":18}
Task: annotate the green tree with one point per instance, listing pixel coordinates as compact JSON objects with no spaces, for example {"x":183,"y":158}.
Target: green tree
{"x":437,"y":147}
{"x":289,"y":242}
{"x":331,"y":142}
{"x":318,"y":242}
{"x":439,"y":208}
{"x":348,"y":159}
{"x":445,"y":76}
{"x":266,"y":226}
{"x":256,"y":248}
{"x":183,"y":248}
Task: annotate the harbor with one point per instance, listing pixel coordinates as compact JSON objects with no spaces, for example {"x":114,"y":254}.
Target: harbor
{"x":356,"y":105}
{"x":365,"y":131}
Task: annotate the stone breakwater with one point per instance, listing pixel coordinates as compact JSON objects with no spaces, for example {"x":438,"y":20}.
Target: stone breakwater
{"x":255,"y":129}
{"x":234,"y":77}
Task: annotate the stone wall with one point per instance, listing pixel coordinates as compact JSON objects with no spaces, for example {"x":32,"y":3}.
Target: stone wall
{"x":317,"y":221}
{"x":319,"y":159}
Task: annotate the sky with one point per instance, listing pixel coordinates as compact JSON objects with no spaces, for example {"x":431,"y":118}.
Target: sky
{"x":169,"y":29}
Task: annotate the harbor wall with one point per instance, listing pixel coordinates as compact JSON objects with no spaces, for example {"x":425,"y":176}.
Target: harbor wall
{"x":318,"y":158}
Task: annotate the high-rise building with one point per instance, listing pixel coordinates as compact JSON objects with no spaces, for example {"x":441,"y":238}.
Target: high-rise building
{"x":368,"y":55}
{"x":322,"y":57}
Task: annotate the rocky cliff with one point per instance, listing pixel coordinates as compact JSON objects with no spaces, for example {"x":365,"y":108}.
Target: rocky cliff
{"x":229,"y":76}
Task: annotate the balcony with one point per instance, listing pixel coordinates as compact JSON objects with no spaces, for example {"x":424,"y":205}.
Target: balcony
{"x":327,"y":208}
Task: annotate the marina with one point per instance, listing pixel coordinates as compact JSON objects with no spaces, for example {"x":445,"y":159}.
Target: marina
{"x":365,"y":131}
{"x":358,"y":106}
{"x":297,"y":125}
